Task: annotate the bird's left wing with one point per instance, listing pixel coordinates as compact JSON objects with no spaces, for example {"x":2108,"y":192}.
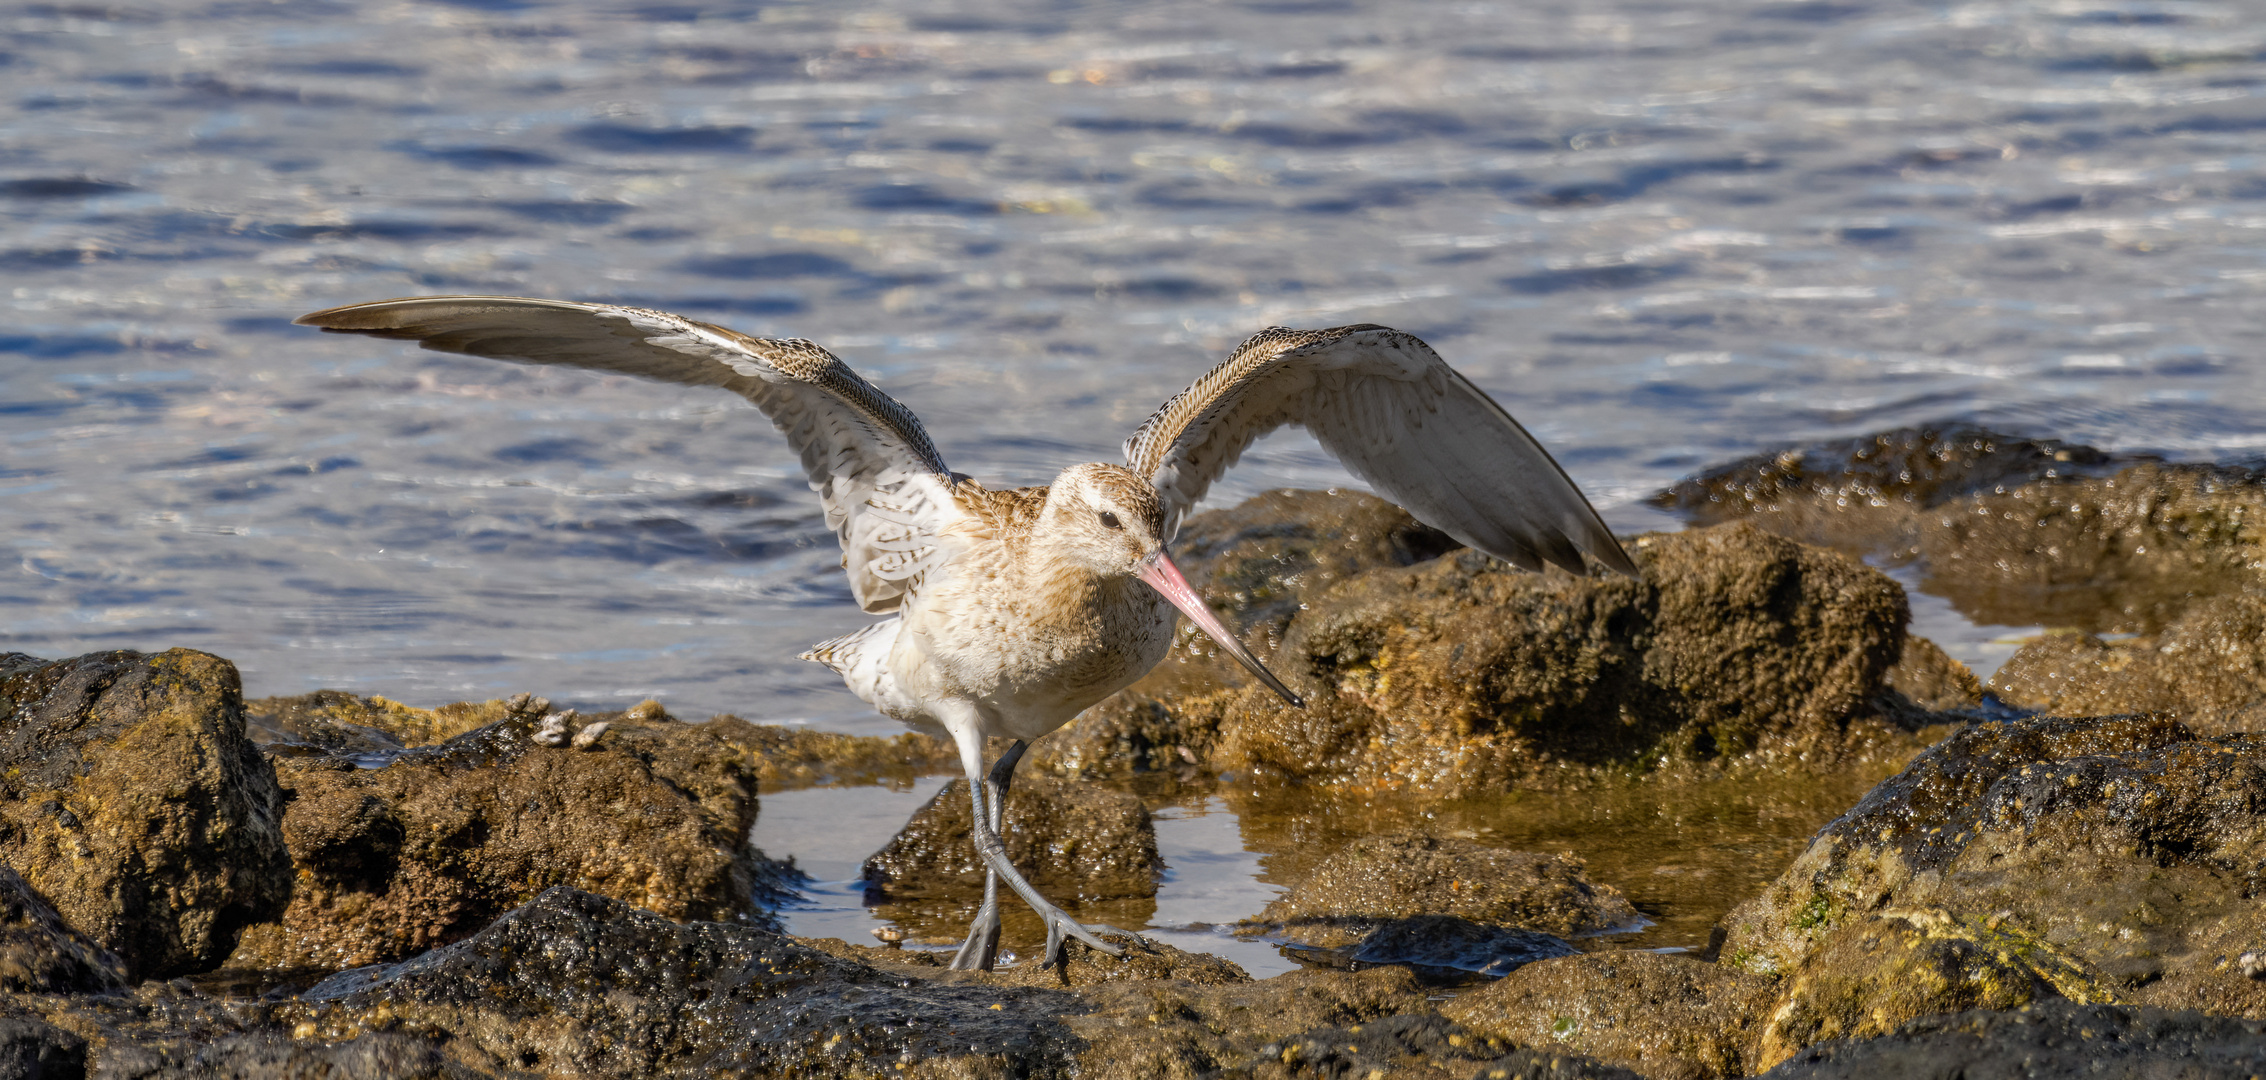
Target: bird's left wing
{"x":887,"y":492}
{"x":1399,"y":418}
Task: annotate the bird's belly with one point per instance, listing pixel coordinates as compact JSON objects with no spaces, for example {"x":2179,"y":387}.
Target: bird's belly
{"x":1035,"y":678}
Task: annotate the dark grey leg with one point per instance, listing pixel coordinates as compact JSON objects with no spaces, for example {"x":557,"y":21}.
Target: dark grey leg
{"x":981,"y":948}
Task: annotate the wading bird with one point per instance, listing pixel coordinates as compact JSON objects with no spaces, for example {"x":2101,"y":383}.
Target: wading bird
{"x":1017,"y":609}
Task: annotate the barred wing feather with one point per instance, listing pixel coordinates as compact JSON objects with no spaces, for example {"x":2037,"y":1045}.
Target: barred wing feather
{"x":886,"y":490}
{"x":1399,"y":418}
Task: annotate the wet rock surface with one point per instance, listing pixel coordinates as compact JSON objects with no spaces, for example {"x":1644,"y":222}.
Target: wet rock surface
{"x":1660,"y":1015}
{"x":40,"y":954}
{"x":2207,"y":667}
{"x":441,"y":839}
{"x":2048,"y":1038}
{"x":1075,"y":842}
{"x":1865,"y":491}
{"x":1445,"y":947}
{"x":1379,"y":880}
{"x":580,"y":984}
{"x":2100,"y":860}
{"x":2126,"y":552}
{"x":1461,"y":675}
{"x":135,"y":805}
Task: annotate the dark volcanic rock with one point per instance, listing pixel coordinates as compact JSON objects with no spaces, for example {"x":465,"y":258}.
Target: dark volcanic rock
{"x":1664,"y":1016}
{"x":578,"y":984}
{"x":2208,"y":667}
{"x":1461,"y":676}
{"x":1378,"y":880}
{"x":34,"y":1050}
{"x":136,"y":806}
{"x":1075,"y":842}
{"x":1863,"y":491}
{"x":1438,"y":945}
{"x":2116,"y":858}
{"x":442,"y":839}
{"x":2048,"y":1038}
{"x":41,"y":955}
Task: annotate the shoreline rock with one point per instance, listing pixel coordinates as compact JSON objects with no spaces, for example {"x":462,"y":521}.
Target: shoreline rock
{"x":134,"y":804}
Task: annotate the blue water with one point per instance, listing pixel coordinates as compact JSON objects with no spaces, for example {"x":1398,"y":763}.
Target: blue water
{"x":1663,"y":233}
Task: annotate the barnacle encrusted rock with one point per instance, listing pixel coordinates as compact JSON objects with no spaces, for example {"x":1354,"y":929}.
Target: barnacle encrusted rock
{"x":441,"y":839}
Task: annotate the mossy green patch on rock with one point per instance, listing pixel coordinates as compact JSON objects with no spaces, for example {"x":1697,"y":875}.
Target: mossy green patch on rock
{"x":134,"y":803}
{"x":1867,"y":977}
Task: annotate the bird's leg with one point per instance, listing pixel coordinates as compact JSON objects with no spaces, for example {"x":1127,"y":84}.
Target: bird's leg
{"x":982,"y":947}
{"x":968,"y":734}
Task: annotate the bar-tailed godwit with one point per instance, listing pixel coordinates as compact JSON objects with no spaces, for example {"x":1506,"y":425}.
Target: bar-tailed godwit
{"x":1016,"y":609}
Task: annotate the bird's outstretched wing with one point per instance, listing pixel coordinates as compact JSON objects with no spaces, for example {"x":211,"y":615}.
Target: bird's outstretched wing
{"x":1399,"y":418}
{"x":886,"y":489}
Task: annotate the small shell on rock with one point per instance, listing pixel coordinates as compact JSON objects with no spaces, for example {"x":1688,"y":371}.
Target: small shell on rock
{"x":890,"y":936}
{"x":2253,"y":964}
{"x":587,"y":738}
{"x":553,"y":730}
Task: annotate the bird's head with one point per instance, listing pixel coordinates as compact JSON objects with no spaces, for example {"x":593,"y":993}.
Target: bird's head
{"x":1110,"y":520}
{"x":1105,"y":518}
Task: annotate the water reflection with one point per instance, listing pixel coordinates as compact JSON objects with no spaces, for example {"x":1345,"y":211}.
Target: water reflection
{"x":1685,"y":851}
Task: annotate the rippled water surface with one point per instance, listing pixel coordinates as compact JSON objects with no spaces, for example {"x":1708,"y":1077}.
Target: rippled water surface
{"x":1664,"y":233}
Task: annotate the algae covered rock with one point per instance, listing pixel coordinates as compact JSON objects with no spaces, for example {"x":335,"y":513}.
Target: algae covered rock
{"x":2107,"y":859}
{"x":2046,"y":1038}
{"x":2126,"y":552}
{"x":1076,"y":842}
{"x":135,"y":805}
{"x":1866,"y":977}
{"x":1660,"y":1015}
{"x":1378,"y":880}
{"x":1460,"y":675}
{"x":440,"y":840}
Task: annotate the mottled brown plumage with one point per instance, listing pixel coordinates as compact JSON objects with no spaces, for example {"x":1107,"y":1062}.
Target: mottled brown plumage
{"x":1017,"y":609}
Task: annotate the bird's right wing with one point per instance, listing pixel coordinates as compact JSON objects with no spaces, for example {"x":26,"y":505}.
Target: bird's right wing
{"x":887,"y":492}
{"x":1398,"y":417}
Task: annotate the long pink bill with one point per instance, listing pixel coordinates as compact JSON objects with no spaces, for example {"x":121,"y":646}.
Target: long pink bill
{"x":1165,"y":578}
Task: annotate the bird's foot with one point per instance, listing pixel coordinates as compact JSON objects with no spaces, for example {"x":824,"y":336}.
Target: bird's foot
{"x":982,"y":944}
{"x":1059,"y":924}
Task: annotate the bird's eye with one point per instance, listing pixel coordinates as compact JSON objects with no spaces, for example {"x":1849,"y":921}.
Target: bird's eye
{"x":1109,"y":521}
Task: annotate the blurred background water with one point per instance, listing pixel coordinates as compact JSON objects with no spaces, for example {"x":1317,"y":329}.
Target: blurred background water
{"x":1664,"y":232}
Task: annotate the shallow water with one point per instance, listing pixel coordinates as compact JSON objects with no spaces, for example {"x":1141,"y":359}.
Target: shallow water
{"x":1684,"y":852}
{"x":1665,"y":233}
